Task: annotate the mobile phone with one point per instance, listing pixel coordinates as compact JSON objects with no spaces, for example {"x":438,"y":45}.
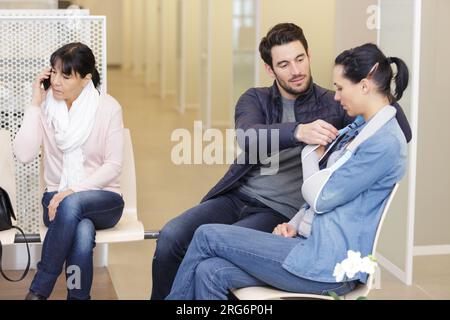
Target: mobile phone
{"x":46,"y":83}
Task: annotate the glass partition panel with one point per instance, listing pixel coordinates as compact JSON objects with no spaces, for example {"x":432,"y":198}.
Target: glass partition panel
{"x":244,"y":46}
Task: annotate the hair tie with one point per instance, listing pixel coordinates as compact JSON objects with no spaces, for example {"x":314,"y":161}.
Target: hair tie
{"x":389,"y":60}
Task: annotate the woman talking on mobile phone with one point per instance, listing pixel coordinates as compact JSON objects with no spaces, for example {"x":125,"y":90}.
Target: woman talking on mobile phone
{"x":81,"y":131}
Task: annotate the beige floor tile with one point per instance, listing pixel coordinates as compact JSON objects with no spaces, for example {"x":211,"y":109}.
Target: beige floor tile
{"x":102,"y":287}
{"x":432,"y":274}
{"x":394,"y":289}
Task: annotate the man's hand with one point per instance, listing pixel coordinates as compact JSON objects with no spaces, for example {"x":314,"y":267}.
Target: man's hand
{"x":54,"y":203}
{"x":317,"y":132}
{"x":285,"y":230}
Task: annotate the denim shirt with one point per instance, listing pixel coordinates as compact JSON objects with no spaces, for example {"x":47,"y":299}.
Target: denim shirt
{"x":351,"y":203}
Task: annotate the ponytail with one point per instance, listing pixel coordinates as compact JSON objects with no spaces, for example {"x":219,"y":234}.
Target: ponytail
{"x":401,"y":78}
{"x":96,"y":78}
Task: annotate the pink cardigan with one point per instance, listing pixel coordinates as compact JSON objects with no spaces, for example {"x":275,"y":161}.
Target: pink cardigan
{"x":103,"y":150}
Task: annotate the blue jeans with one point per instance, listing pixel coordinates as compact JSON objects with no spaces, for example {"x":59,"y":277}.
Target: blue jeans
{"x":71,"y":239}
{"x":223,"y":257}
{"x":232,"y":208}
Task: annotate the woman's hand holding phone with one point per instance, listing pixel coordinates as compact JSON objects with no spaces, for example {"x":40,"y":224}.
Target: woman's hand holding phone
{"x":39,"y":93}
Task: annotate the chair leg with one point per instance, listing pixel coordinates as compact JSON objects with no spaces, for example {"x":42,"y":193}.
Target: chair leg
{"x":377,"y":277}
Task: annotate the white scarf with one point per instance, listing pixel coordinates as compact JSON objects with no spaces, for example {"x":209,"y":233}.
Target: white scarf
{"x":72,"y":128}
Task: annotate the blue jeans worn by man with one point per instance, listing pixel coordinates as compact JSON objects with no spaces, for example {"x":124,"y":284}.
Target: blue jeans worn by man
{"x":70,"y":239}
{"x":233,"y":208}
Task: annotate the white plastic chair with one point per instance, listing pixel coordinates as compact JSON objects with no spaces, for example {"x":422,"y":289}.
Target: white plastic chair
{"x":7,"y":180}
{"x":129,"y":227}
{"x":361,"y":290}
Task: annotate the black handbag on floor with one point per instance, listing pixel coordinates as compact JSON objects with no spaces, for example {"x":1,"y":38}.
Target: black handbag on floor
{"x":6,"y":213}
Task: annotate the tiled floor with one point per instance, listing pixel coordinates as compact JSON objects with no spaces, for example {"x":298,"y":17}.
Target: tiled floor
{"x":431,"y":281}
{"x":102,"y":287}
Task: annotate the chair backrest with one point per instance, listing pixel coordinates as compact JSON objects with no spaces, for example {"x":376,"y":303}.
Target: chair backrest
{"x":7,"y":168}
{"x":128,"y":177}
{"x":363,"y":289}
{"x":383,"y":216}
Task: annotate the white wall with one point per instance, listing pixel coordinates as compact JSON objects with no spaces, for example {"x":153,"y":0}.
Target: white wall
{"x":138,"y":37}
{"x":133,"y":37}
{"x":168,"y":49}
{"x":216,"y":63}
{"x":127,"y":17}
{"x":221,"y":63}
{"x":151,"y":33}
{"x":193,"y":53}
{"x":433,"y":174}
{"x":28,"y":4}
{"x":352,"y":19}
{"x":112,"y":10}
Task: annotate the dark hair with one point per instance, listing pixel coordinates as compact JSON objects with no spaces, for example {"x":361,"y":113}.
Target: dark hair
{"x":360,"y":63}
{"x":76,"y":58}
{"x":282,"y":33}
